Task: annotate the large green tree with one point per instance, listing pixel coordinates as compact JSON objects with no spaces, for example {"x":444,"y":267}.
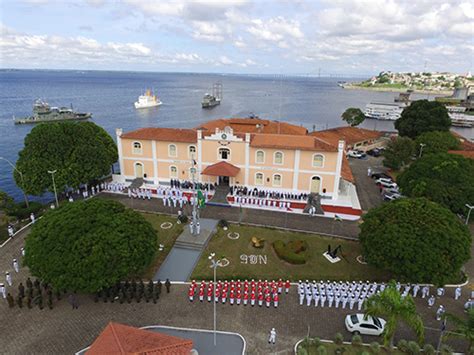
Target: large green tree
{"x":391,"y":306}
{"x":464,"y":328}
{"x":444,"y":178}
{"x":423,"y":116}
{"x":80,"y":152}
{"x":88,"y":245}
{"x":398,"y":153}
{"x":353,"y":116}
{"x":416,"y":240}
{"x":437,"y":142}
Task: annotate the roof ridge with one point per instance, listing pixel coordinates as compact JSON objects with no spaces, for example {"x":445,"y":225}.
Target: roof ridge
{"x":114,"y":333}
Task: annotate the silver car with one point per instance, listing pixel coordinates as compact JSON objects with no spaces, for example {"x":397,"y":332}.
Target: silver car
{"x":361,"y":324}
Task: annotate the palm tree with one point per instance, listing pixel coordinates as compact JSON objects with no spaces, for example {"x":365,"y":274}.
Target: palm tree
{"x":464,"y":327}
{"x":394,"y":308}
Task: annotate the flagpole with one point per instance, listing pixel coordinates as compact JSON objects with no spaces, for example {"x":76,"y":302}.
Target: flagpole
{"x":195,"y":217}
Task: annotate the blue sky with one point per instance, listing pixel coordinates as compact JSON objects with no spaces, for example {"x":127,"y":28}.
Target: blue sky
{"x":238,"y":36}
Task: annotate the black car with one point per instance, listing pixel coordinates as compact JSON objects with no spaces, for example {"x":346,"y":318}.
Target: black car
{"x":380,"y":176}
{"x":375,"y":152}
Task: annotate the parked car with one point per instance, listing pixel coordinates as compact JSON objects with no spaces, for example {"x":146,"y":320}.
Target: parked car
{"x":356,"y":154}
{"x":390,"y":190}
{"x":379,"y":175}
{"x":361,"y":324}
{"x":390,"y":196}
{"x":374,"y":152}
{"x":384,"y":183}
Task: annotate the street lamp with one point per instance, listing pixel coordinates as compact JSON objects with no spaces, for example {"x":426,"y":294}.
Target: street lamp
{"x":421,"y":149}
{"x":195,"y":219}
{"x":469,"y":213}
{"x":214,"y":264}
{"x":21,"y":177}
{"x":52,"y":172}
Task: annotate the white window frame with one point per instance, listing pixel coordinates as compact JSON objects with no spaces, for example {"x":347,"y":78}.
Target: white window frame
{"x":263,"y":179}
{"x":192,"y":155}
{"x":219,"y":154}
{"x":256,"y":157}
{"x":273,"y":180}
{"x":137,"y":151}
{"x":322,"y":163}
{"x":175,"y":150}
{"x":320,"y":183}
{"x":171,"y":174}
{"x":282,"y":158}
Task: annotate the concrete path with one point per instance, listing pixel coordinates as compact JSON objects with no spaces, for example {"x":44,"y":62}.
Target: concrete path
{"x":180,"y":262}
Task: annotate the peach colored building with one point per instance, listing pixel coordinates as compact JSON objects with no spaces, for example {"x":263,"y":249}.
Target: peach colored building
{"x":248,"y":152}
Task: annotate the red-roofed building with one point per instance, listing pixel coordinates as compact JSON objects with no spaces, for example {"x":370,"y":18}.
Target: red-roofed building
{"x":120,"y":339}
{"x":250,"y":152}
{"x":355,"y":137}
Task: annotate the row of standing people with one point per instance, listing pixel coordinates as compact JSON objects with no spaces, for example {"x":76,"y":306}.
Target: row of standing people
{"x":265,"y":193}
{"x":262,"y":202}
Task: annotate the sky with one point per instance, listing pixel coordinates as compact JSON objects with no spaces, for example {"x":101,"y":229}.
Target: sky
{"x":239,"y":36}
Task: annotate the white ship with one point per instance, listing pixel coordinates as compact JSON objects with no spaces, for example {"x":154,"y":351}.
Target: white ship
{"x":147,"y":100}
{"x":384,"y":111}
{"x":459,"y":118}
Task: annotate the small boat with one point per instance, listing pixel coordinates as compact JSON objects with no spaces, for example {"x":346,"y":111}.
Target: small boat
{"x":148,"y":99}
{"x":43,"y":112}
{"x":214,"y":99}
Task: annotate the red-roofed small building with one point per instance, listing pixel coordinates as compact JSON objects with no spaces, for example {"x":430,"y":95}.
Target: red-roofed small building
{"x":120,"y":339}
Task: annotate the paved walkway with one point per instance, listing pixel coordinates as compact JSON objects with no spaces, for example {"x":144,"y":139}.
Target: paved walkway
{"x":316,"y":224}
{"x":180,"y":262}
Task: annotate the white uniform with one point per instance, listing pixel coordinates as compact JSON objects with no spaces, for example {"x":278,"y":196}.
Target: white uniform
{"x":16,"y":266}
{"x":457,"y":293}
{"x":32,"y":217}
{"x":272,"y":338}
{"x":8,"y":277}
{"x":431,"y":301}
{"x":3,"y":290}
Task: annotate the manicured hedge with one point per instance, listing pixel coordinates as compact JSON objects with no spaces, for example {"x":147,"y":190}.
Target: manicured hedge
{"x":292,"y":252}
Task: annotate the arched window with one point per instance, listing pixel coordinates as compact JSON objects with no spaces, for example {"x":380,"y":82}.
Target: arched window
{"x":137,"y":148}
{"x":172,"y":151}
{"x":224,"y":153}
{"x":277,"y":180}
{"x":192,"y":151}
{"x":278,"y":158}
{"x":260,"y":157}
{"x":318,"y":161}
{"x":258,"y":179}
{"x":173,"y":172}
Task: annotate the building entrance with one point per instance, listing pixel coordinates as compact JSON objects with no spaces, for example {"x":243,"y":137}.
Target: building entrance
{"x":223,"y":181}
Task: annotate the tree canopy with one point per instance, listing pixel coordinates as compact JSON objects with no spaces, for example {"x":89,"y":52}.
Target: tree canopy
{"x":353,"y":116}
{"x":464,"y":328}
{"x":444,"y":178}
{"x":423,"y":116}
{"x":437,"y":142}
{"x":398,"y":153}
{"x":89,"y":245}
{"x":80,"y":152}
{"x":390,"y":305}
{"x":416,"y":240}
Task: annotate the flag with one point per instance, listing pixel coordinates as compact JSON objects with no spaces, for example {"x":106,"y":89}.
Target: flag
{"x":201,"y":199}
{"x":337,"y":218}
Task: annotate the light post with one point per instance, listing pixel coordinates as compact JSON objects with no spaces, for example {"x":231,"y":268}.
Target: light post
{"x":21,"y":177}
{"x":469,"y":213}
{"x":214,"y":264}
{"x":421,"y":149}
{"x":52,"y":172}
{"x":195,"y":219}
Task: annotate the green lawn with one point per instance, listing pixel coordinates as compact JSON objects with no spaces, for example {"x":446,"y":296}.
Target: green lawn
{"x":167,"y":237}
{"x":346,"y":349}
{"x":317,"y":266}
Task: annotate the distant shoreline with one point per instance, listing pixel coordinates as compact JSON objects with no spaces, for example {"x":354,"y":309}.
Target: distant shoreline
{"x":415,"y":91}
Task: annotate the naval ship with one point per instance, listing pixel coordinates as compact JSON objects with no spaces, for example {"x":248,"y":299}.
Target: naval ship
{"x":214,"y":99}
{"x":42,"y":112}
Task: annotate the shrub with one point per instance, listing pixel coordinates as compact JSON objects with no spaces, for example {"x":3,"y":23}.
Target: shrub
{"x":183,"y":219}
{"x":292,"y":252}
{"x":314,"y":342}
{"x":301,"y":350}
{"x":322,"y":350}
{"x":446,"y":350}
{"x":402,"y":345}
{"x":429,"y":349}
{"x":356,"y":340}
{"x":20,"y":211}
{"x":375,"y":347}
{"x":223,"y":223}
{"x":413,"y":348}
{"x":338,"y":339}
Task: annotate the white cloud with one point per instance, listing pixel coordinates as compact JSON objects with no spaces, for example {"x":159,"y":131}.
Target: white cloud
{"x":275,"y":29}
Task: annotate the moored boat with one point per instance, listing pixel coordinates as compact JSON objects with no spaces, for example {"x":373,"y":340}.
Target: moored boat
{"x":43,"y":112}
{"x":148,"y":99}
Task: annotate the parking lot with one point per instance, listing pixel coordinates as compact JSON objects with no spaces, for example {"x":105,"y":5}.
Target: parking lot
{"x":368,"y":192}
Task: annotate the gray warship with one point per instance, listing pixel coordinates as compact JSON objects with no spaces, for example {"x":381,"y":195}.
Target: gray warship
{"x":42,"y":112}
{"x":214,"y":99}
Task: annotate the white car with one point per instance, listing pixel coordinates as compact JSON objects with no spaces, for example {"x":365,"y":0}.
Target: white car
{"x":390,"y":196}
{"x":361,"y":324}
{"x":386,"y":183}
{"x":355,"y":154}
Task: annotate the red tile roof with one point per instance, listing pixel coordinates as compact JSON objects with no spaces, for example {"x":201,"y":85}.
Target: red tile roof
{"x":346,"y":171}
{"x":254,"y":125}
{"x":163,"y":134}
{"x":464,"y":153}
{"x":350,"y":135}
{"x":222,"y":168}
{"x":117,"y":339}
{"x":283,"y":141}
